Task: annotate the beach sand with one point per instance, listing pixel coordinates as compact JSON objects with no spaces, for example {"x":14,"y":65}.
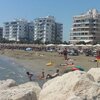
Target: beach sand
{"x":37,"y":60}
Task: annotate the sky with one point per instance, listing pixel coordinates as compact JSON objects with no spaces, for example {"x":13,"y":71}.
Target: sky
{"x":62,"y":10}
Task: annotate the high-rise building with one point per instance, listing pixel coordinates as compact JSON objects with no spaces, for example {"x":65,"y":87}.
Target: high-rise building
{"x":1,"y":32}
{"x":16,"y":30}
{"x":45,"y":29}
{"x":30,"y":31}
{"x":58,"y":32}
{"x":86,"y":27}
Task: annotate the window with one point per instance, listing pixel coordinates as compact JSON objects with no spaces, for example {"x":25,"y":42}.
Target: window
{"x":86,"y":33}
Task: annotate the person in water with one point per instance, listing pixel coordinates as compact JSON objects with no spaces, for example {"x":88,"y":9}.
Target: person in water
{"x":49,"y":76}
{"x":29,"y":75}
{"x":42,"y":76}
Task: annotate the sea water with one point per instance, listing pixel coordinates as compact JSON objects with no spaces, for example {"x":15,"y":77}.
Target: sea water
{"x":9,"y":69}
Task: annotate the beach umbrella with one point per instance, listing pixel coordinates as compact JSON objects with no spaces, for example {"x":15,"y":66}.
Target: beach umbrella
{"x":80,"y":45}
{"x":70,"y":45}
{"x":62,"y":45}
{"x":28,"y":49}
{"x":97,"y":45}
{"x":50,"y":45}
{"x":89,"y":45}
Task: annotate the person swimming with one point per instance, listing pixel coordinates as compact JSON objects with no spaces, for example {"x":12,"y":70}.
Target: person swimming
{"x":42,"y":76}
{"x":29,"y":76}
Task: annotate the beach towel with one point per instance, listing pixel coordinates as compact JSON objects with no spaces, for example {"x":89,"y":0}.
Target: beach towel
{"x":80,"y":68}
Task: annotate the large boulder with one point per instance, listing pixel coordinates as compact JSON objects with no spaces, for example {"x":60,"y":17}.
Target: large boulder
{"x":77,"y":85}
{"x":95,"y":72}
{"x":27,"y":91}
{"x":4,"y":84}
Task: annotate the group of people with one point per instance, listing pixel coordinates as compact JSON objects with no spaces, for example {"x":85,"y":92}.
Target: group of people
{"x":50,"y":76}
{"x":42,"y":76}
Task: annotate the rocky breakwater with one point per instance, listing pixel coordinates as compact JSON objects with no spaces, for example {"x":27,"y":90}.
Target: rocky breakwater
{"x":75,"y":85}
{"x":10,"y":91}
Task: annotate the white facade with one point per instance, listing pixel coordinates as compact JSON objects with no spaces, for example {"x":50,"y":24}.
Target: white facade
{"x":86,"y":27}
{"x":15,"y":30}
{"x":45,"y":29}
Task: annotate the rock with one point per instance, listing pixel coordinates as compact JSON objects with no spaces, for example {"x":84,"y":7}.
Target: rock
{"x":27,"y":91}
{"x":95,"y":72}
{"x":77,"y":85}
{"x":4,"y":84}
{"x":73,"y":97}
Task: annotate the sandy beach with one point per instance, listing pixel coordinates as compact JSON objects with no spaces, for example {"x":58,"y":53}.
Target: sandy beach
{"x":37,"y":60}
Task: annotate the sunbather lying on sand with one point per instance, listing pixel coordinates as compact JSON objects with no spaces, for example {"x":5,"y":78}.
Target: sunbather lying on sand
{"x":49,"y":76}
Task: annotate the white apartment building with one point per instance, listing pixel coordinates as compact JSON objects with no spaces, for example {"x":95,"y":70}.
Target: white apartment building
{"x":86,"y":27}
{"x":1,"y":32}
{"x":45,"y":29}
{"x":30,"y":31}
{"x":59,"y":32}
{"x":16,"y":30}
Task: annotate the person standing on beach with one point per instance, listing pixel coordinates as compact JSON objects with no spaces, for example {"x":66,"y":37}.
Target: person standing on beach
{"x":29,"y":76}
{"x":65,"y":54}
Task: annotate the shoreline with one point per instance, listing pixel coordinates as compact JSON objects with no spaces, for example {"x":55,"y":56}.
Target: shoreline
{"x":36,"y":61}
